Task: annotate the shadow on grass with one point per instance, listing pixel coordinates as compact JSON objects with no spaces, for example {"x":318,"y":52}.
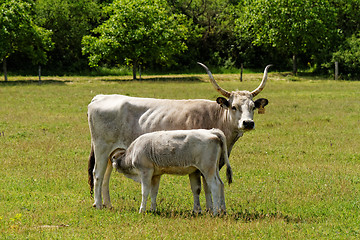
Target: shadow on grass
{"x":33,"y":82}
{"x":158,"y":79}
{"x":247,"y":216}
{"x":244,"y":216}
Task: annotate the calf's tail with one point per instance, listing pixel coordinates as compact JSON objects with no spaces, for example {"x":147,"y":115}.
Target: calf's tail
{"x":91,"y":166}
{"x":222,"y":138}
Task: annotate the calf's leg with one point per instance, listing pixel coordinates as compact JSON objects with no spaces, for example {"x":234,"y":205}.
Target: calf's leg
{"x":146,"y":177}
{"x":155,"y":182}
{"x":209,"y":201}
{"x":195,"y":183}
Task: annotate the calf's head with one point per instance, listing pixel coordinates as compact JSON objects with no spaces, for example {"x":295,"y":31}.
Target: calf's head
{"x":240,"y":104}
{"x":116,"y":157}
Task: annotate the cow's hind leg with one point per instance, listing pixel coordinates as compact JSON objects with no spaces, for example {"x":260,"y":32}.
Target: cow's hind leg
{"x":195,"y":183}
{"x":155,"y":182}
{"x":101,"y":161}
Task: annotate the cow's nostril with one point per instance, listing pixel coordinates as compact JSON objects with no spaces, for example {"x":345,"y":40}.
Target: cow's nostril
{"x":248,"y":124}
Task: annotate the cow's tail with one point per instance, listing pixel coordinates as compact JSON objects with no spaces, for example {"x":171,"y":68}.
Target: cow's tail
{"x":91,"y":166}
{"x":225,"y":155}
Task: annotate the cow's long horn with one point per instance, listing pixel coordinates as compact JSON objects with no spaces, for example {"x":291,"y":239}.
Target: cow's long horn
{"x":263,"y":82}
{"x":216,"y":86}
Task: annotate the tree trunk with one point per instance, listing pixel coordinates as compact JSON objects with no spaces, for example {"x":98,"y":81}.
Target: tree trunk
{"x":5,"y":69}
{"x":134,"y":69}
{"x":294,"y":64}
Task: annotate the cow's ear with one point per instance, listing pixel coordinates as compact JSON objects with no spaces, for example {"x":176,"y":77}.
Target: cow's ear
{"x":223,"y":102}
{"x":261,"y":102}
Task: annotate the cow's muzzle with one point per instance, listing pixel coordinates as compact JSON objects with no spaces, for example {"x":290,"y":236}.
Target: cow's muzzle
{"x":248,"y":124}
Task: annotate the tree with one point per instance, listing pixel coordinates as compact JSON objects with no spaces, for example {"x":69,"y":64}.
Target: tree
{"x":346,"y":47}
{"x":291,"y":27}
{"x":347,"y":16}
{"x":69,"y":20}
{"x":19,"y":33}
{"x":137,"y":32}
{"x":349,"y":57}
{"x":213,"y":28}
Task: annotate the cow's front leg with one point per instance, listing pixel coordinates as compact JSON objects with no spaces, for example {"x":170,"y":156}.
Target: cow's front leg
{"x":195,"y":184}
{"x":215,"y":186}
{"x":222,"y":204}
{"x":214,"y":183}
{"x":209,"y":201}
{"x":222,"y":198}
{"x":155,"y":182}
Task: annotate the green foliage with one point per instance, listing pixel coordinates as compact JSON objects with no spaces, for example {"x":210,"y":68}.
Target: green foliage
{"x":137,"y":32}
{"x":347,"y":16}
{"x":293,"y":27}
{"x":349,"y":57}
{"x":172,"y":35}
{"x":69,"y":20}
{"x":213,"y":21}
{"x":19,"y":32}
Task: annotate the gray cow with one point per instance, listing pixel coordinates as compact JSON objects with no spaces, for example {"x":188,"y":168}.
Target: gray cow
{"x":179,"y":152}
{"x":115,"y":121}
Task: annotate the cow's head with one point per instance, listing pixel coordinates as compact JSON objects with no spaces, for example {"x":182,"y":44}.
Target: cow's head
{"x":240,"y":104}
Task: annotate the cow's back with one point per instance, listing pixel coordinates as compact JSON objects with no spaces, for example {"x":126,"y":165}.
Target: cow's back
{"x":121,"y":119}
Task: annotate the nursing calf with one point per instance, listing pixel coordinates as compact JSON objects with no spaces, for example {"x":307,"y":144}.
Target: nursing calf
{"x":180,"y":152}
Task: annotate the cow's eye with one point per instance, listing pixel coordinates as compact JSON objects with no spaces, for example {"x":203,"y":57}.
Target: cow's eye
{"x":233,"y":108}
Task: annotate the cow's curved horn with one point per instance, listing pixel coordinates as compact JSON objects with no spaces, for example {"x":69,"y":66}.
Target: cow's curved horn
{"x":263,"y":82}
{"x":216,"y":86}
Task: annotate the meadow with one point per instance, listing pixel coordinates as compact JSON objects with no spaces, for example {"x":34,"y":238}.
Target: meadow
{"x":296,"y":176}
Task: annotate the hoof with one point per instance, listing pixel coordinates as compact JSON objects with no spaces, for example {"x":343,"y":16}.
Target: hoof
{"x":108,"y":206}
{"x":219,"y":213}
{"x":98,"y":207}
{"x":197,"y":212}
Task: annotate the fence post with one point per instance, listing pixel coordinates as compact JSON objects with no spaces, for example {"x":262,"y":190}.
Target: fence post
{"x":39,"y":74}
{"x":336,"y":70}
{"x":241,"y":72}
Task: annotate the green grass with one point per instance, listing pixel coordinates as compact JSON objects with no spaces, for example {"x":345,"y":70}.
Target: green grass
{"x":297,"y":176}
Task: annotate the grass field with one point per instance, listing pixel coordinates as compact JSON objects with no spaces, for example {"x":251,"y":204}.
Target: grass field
{"x":297,"y":176}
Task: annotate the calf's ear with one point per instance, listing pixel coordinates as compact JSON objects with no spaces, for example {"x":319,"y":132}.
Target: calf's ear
{"x":223,"y":102}
{"x":116,"y":154}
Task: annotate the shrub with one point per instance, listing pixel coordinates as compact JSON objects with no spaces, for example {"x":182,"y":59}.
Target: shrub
{"x":349,"y":58}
